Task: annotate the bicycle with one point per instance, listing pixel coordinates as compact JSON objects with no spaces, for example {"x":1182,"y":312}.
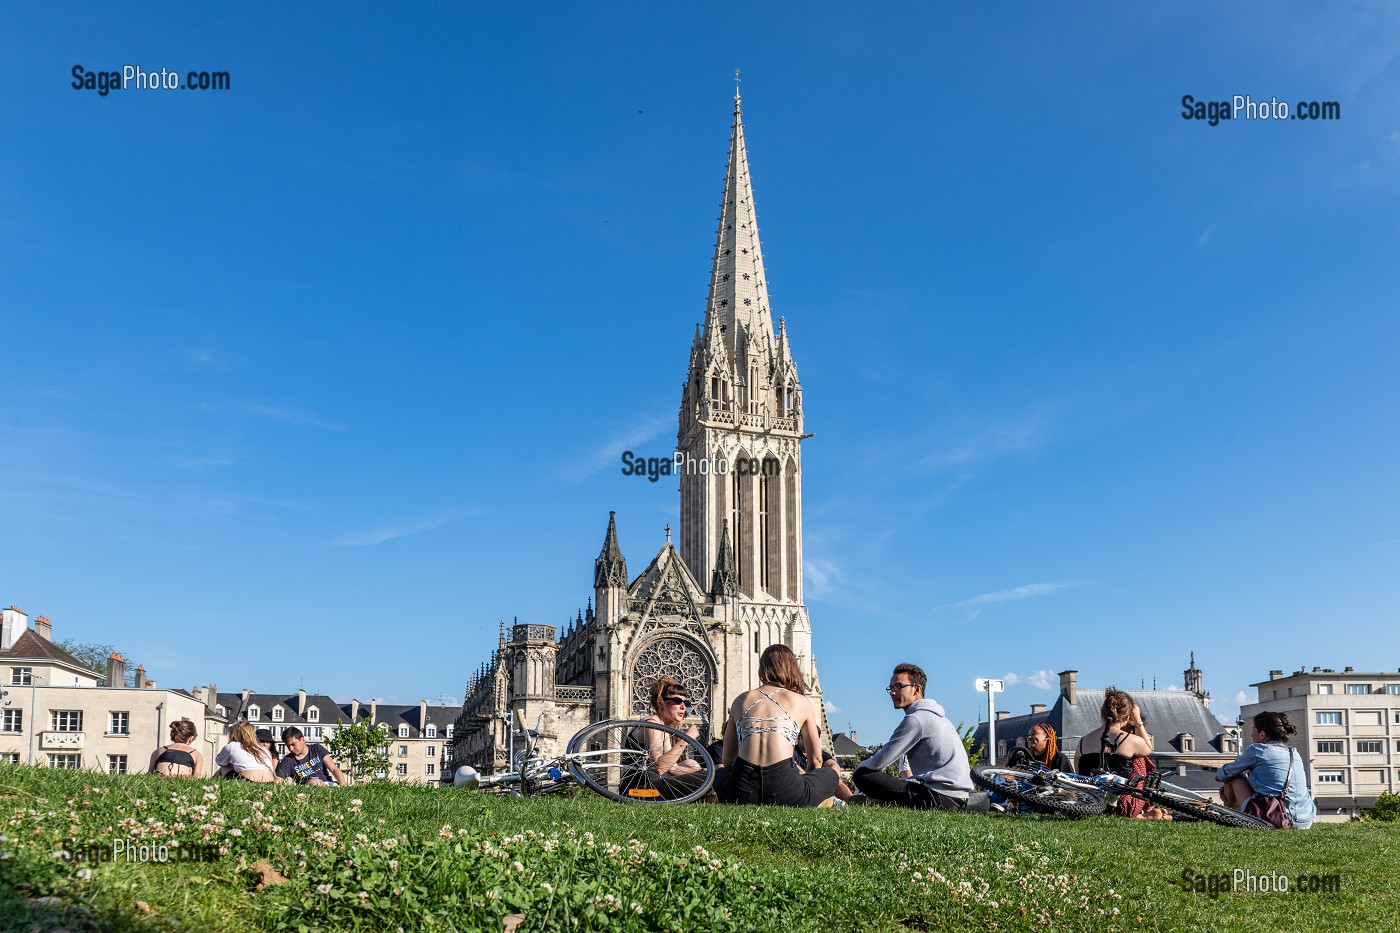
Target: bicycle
{"x":1083,"y":795}
{"x":611,"y":758}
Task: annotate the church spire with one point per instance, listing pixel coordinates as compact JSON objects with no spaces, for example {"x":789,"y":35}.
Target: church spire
{"x":738,"y":285}
{"x":610,"y":569}
{"x":726,"y":577}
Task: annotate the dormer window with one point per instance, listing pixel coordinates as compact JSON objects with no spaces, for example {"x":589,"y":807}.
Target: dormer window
{"x":403,"y":732}
{"x":313,"y":715}
{"x":1186,"y":742}
{"x":277,"y":714}
{"x":254,"y":714}
{"x":431,"y":732}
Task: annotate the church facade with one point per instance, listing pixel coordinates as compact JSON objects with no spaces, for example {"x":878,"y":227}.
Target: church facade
{"x":706,"y":606}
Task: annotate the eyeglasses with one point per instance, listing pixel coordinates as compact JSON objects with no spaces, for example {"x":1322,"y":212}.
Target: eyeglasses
{"x":677,"y":701}
{"x":893,"y":688}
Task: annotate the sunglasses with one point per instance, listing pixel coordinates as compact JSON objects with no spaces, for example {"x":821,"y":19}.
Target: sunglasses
{"x":677,"y":701}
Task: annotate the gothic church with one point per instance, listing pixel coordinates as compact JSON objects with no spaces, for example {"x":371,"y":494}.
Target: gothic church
{"x":701,"y":614}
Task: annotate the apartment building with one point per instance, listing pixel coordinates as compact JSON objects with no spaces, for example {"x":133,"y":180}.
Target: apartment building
{"x":1348,"y":732}
{"x":53,"y":713}
{"x":419,"y":734}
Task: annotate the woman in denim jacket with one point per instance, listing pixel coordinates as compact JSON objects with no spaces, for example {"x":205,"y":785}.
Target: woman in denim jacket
{"x":1263,"y":768}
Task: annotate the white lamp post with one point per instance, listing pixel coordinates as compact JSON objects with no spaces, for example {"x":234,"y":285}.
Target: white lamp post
{"x":992,"y":687}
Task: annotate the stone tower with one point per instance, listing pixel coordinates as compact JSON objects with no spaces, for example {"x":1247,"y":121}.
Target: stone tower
{"x":741,"y":416}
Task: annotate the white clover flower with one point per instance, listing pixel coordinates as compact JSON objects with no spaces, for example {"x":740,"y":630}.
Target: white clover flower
{"x":324,"y":888}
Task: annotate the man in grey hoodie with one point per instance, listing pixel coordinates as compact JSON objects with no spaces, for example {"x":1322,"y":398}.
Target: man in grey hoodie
{"x":933,"y":763}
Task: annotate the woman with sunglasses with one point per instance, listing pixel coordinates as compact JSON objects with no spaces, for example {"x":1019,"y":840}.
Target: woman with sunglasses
{"x":675,"y":774}
{"x":766,"y":726}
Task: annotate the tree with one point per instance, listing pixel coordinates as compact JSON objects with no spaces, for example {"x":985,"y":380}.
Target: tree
{"x":361,"y":750}
{"x":94,"y":657}
{"x":966,"y":731}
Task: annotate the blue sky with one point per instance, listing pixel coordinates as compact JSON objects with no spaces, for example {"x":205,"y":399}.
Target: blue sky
{"x":315,"y":380}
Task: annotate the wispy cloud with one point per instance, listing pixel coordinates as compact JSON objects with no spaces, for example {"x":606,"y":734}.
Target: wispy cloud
{"x":993,"y":441}
{"x":1041,"y":680}
{"x":1384,"y":543}
{"x":1205,"y":237}
{"x":403,"y":530}
{"x":205,"y":360}
{"x":820,"y":577}
{"x":642,"y":430}
{"x":831,"y":708}
{"x":292,"y":416}
{"x":975,"y":604}
{"x":1241,"y":698}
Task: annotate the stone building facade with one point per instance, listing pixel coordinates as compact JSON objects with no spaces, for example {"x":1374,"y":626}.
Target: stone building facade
{"x":53,"y":714}
{"x":703,"y":609}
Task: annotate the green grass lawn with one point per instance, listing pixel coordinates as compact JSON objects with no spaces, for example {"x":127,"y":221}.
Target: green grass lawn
{"x":416,"y":858}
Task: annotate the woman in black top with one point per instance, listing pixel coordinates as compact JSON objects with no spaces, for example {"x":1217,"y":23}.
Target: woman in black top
{"x":1042,"y":750}
{"x":179,"y":758}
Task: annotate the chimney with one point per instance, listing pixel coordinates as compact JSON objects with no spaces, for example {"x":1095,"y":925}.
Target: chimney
{"x":1068,"y":687}
{"x":244,"y":703}
{"x":43,"y":628}
{"x":301,"y":704}
{"x":422,"y":718}
{"x":853,"y":737}
{"x":1275,"y":675}
{"x":1037,"y":708}
{"x":1002,"y":714}
{"x":141,"y":682}
{"x":354,"y":711}
{"x":13,"y":624}
{"x":373,"y":713}
{"x":211,"y":698}
{"x":116,"y":670}
{"x":1317,"y":669}
{"x":1345,"y":670}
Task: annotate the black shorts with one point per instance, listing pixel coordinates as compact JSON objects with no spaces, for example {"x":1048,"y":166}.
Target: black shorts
{"x":780,"y":783}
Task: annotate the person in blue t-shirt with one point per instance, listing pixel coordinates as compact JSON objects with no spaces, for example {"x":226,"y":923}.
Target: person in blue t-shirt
{"x":1268,"y":767}
{"x":308,"y":763}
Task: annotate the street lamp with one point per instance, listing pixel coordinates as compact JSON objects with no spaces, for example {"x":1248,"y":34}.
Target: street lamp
{"x":992,"y":687}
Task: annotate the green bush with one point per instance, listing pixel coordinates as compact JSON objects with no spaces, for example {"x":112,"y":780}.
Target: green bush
{"x":1387,"y":808}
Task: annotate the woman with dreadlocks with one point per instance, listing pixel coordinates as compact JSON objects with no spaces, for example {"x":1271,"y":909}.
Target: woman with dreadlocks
{"x":1042,"y":749}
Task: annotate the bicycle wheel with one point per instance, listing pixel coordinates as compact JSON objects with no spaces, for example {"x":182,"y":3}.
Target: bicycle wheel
{"x":613,"y":758}
{"x":1040,"y":790}
{"x":1194,"y":809}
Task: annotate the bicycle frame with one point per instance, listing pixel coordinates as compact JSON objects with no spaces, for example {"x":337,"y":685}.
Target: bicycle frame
{"x":610,"y":759}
